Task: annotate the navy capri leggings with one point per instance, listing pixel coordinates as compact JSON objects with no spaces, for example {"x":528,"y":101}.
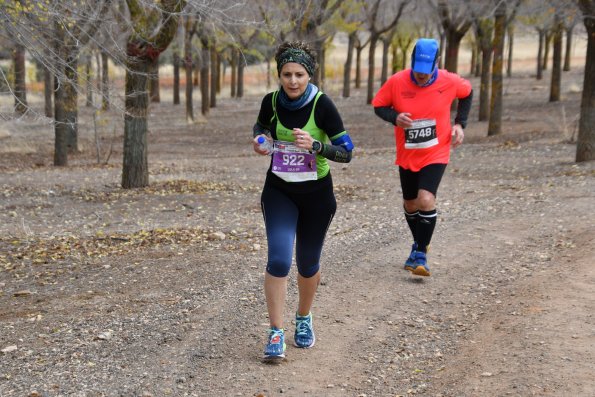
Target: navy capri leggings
{"x":303,"y":217}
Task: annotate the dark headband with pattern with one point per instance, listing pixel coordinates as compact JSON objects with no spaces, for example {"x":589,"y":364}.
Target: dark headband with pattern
{"x":296,"y":55}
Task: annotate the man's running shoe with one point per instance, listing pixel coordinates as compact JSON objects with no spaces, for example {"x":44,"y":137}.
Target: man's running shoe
{"x":275,"y":348}
{"x":304,"y":332}
{"x":411,"y":260}
{"x":420,"y":265}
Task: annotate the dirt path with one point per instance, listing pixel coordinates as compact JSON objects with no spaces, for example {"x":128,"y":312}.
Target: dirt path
{"x":158,"y":292}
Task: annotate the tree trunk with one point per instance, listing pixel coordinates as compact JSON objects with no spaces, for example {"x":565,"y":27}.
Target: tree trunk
{"x":135,"y":170}
{"x":48,"y":89}
{"x":478,"y":65}
{"x":371,"y":67}
{"x":442,"y":50}
{"x":20,"y":89}
{"x":204,"y":80}
{"x":65,"y":114}
{"x":214,"y":77}
{"x":234,"y":72}
{"x":347,"y":67}
{"x":568,"y":52}
{"x":269,"y":74}
{"x":220,"y":72}
{"x":557,"y":61}
{"x":484,"y":32}
{"x":88,"y":81}
{"x":189,"y":85}
{"x":585,"y":147}
{"x":453,"y":44}
{"x":60,"y":131}
{"x":546,"y":48}
{"x":317,"y":77}
{"x":141,"y":56}
{"x":358,"y":67}
{"x":196,"y":78}
{"x":176,"y":87}
{"x":154,"y":81}
{"x":484,"y":90}
{"x":474,"y":62}
{"x":241,"y":67}
{"x":384,"y":69}
{"x":404,"y":60}
{"x":104,"y":81}
{"x":495,"y":122}
{"x":510,"y":48}
{"x":539,"y":75}
{"x":394,"y":64}
{"x":70,"y":103}
{"x":322,"y":69}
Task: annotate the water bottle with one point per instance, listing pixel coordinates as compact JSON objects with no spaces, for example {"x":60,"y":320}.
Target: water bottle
{"x":264,"y":144}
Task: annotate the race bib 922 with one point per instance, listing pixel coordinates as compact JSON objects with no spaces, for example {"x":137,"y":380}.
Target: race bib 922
{"x":293,"y":164}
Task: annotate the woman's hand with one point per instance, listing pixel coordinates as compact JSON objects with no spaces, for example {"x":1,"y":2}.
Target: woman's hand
{"x":303,"y":140}
{"x":257,"y":147}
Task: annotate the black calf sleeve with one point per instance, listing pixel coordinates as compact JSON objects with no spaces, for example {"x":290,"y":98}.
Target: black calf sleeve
{"x":425,"y":229}
{"x":412,"y":219}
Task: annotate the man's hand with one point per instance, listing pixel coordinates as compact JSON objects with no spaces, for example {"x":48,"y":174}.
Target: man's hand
{"x":457,"y":135}
{"x":403,"y":120}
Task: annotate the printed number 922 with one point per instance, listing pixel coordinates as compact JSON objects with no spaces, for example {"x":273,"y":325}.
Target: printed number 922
{"x":293,"y":159}
{"x":420,"y":133}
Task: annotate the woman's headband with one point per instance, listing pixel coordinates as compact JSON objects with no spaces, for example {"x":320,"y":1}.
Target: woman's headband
{"x":296,"y":55}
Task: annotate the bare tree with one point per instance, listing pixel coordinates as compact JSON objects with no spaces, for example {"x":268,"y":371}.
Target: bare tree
{"x":20,"y":89}
{"x":54,"y":33}
{"x":305,"y":20}
{"x":495,"y":121}
{"x":48,"y":89}
{"x":348,"y":64}
{"x":510,"y":34}
{"x":533,"y":14}
{"x":190,"y":25}
{"x":214,"y":55}
{"x":387,"y":39}
{"x":540,"y":51}
{"x":571,"y":20}
{"x":378,"y":21}
{"x":484,"y":30}
{"x":556,"y":60}
{"x":351,"y":16}
{"x":585,"y":148}
{"x":154,"y":30}
{"x":456,"y":20}
{"x":504,"y":15}
{"x":204,"y":36}
{"x":154,"y":88}
{"x":105,"y":100}
{"x":359,"y":45}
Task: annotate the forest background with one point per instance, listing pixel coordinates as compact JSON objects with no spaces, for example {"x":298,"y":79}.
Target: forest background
{"x":156,"y":290}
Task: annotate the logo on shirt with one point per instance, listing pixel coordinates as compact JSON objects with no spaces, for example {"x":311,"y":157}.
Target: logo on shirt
{"x":408,"y":94}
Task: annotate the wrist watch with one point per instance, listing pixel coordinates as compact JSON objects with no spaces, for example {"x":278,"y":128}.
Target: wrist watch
{"x":316,"y":146}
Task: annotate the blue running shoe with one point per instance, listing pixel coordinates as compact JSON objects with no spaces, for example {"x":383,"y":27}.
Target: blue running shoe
{"x":304,"y":332}
{"x":409,"y":262}
{"x":275,"y":348}
{"x":420,"y":265}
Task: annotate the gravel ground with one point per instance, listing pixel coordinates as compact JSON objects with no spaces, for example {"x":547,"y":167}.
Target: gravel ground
{"x":158,"y":291}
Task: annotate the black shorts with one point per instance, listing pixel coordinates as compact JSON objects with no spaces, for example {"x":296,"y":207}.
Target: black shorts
{"x":428,"y":178}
